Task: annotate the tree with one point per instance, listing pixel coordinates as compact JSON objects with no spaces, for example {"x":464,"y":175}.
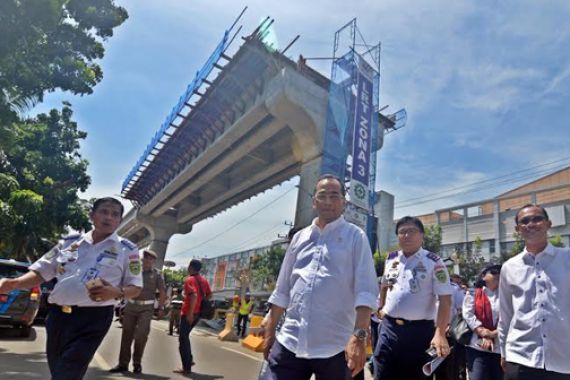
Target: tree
{"x":432,"y":238}
{"x":39,"y":180}
{"x":469,"y":259}
{"x":175,"y":277}
{"x":51,"y":44}
{"x":265,"y":268}
{"x":556,"y":241}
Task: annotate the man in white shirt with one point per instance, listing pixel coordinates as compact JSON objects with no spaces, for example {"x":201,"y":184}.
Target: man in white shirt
{"x":92,"y":270}
{"x":327,"y":285}
{"x":534,"y":330}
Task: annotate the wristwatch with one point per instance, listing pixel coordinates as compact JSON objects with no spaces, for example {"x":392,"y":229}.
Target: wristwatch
{"x":361,"y":334}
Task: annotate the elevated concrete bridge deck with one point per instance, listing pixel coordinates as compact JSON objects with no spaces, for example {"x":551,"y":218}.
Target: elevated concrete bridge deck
{"x":259,"y":123}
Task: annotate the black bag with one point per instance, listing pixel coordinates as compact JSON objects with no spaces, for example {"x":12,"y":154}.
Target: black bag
{"x":459,"y":330}
{"x":206,"y":308}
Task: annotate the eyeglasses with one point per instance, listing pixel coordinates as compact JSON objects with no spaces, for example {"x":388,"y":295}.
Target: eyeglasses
{"x":532,"y":219}
{"x":494,"y":271}
{"x":409,"y":232}
{"x":333,"y":197}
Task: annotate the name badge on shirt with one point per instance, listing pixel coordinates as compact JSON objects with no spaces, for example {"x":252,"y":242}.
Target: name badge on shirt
{"x":90,"y":275}
{"x":414,"y":285}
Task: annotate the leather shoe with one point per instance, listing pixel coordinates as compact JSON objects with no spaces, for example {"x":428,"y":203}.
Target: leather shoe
{"x":137,"y":369}
{"x":119,"y":368}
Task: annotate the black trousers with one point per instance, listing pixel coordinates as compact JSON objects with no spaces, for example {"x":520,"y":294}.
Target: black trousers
{"x":73,"y":339}
{"x":284,"y":365}
{"x":242,"y":324}
{"x":400,"y":351}
{"x":516,"y":371}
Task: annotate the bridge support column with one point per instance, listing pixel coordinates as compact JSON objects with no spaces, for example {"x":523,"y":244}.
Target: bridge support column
{"x":310,"y":172}
{"x":161,"y":229}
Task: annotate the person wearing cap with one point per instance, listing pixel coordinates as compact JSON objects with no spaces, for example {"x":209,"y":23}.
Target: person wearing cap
{"x":534,"y":326}
{"x":481,"y":312}
{"x":245,"y":309}
{"x":414,"y":279}
{"x":92,"y":270}
{"x":137,"y":315}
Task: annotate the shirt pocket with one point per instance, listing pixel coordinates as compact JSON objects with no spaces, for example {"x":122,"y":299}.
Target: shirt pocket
{"x":109,"y":268}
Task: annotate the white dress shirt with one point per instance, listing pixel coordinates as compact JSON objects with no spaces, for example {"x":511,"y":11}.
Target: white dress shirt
{"x":420,"y":278}
{"x":534,"y":326}
{"x":75,"y":259}
{"x":325,"y":275}
{"x":473,"y":322}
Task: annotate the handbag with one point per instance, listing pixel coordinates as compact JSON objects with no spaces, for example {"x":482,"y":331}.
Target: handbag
{"x":459,"y":330}
{"x":206,"y":308}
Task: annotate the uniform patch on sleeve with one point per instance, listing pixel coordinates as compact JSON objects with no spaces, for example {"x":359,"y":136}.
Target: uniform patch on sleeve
{"x":392,"y":255}
{"x":441,"y":274}
{"x":135,"y":267}
{"x":432,"y":256}
{"x":129,"y":244}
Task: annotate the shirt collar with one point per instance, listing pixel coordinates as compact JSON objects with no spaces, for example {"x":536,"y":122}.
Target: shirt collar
{"x":549,"y":250}
{"x":417,"y":254}
{"x":329,"y":226}
{"x":88,"y":237}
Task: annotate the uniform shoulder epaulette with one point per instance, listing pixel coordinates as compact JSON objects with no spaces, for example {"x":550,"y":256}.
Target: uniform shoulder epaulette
{"x":71,"y":237}
{"x":129,"y":244}
{"x":432,"y":256}
{"x":392,"y":255}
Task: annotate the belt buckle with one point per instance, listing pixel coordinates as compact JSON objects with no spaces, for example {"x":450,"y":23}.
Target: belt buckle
{"x":400,"y":322}
{"x":66,"y":309}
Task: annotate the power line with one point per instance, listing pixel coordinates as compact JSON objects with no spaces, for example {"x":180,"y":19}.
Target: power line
{"x":233,"y":226}
{"x":487,"y":180}
{"x":474,"y":189}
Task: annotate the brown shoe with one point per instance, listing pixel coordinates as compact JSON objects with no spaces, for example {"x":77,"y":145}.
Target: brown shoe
{"x":182,"y":371}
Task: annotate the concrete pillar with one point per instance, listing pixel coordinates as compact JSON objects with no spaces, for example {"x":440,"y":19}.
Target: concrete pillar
{"x":497,"y":227}
{"x":310,"y":172}
{"x":384,"y":210}
{"x":160,"y":230}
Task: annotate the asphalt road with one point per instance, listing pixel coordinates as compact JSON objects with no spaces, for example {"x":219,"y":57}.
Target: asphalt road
{"x":22,"y":358}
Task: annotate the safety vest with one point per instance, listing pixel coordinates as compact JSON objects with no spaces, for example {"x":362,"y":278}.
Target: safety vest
{"x":245,"y":306}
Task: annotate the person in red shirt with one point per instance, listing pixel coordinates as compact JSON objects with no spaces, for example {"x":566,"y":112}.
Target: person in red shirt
{"x":196,"y":288}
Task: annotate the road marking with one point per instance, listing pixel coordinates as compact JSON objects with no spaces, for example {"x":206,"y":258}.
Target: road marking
{"x":242,"y":353}
{"x":102,"y":363}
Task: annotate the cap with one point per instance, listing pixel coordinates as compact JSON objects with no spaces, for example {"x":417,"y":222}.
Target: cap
{"x":150,"y":253}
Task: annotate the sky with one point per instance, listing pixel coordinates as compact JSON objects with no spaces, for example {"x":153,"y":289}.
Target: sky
{"x":486,"y":86}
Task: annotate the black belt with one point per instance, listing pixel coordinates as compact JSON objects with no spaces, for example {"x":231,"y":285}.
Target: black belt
{"x":68,"y":309}
{"x":403,"y":322}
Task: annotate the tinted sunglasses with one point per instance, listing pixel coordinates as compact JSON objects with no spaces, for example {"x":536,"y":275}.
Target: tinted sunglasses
{"x":531,"y":219}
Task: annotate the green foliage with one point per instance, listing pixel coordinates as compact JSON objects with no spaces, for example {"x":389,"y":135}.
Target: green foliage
{"x":175,"y":277}
{"x":556,"y":241}
{"x":265,"y":268}
{"x":39,"y":180}
{"x":470,"y":260}
{"x":517,"y":248}
{"x":432,"y":238}
{"x":51,"y":44}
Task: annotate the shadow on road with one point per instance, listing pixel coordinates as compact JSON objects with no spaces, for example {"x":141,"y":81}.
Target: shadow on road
{"x":199,"y":376}
{"x":13,"y":334}
{"x":23,"y":366}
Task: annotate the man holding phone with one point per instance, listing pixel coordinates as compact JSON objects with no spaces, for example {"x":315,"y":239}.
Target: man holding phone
{"x":92,"y":270}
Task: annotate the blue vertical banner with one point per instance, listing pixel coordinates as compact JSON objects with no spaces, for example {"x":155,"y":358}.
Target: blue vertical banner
{"x":359,"y":181}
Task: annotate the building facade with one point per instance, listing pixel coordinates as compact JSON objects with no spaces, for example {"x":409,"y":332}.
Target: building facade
{"x":491,"y":221}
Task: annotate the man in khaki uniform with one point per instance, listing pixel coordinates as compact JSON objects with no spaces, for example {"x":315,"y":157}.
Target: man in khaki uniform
{"x":138,"y":314}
